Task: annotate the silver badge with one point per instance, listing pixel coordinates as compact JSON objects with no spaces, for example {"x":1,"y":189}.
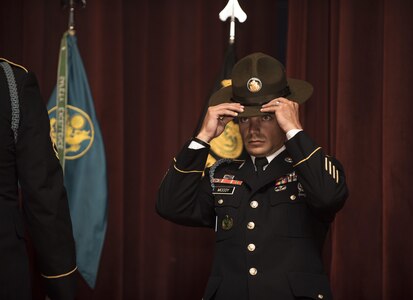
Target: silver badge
{"x":288,"y":159}
{"x":280,"y":188}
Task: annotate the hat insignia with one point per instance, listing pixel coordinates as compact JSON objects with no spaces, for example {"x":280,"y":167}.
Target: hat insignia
{"x":254,"y":85}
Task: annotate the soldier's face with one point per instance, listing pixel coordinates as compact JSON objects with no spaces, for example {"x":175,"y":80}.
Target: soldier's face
{"x":262,"y":135}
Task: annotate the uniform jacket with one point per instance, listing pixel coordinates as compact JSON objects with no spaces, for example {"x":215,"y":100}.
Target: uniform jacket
{"x":269,"y":231}
{"x":31,"y":163}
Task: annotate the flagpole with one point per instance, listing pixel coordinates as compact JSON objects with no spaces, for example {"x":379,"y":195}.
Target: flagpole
{"x":82,"y":155}
{"x":232,"y":10}
{"x":71,"y":24}
{"x":72,"y":4}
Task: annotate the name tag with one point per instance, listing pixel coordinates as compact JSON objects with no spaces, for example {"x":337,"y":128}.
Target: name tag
{"x":223,"y":190}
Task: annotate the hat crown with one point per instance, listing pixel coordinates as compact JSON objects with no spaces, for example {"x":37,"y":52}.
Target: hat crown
{"x":258,"y":78}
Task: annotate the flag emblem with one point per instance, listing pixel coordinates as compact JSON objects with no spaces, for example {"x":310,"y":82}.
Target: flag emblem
{"x":79,"y":133}
{"x":229,"y":143}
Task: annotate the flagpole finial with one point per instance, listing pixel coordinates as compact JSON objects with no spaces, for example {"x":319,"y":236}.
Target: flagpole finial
{"x":232,"y":10}
{"x":71,"y":4}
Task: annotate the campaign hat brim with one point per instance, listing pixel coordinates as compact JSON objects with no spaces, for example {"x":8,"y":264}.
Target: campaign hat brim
{"x":300,"y":91}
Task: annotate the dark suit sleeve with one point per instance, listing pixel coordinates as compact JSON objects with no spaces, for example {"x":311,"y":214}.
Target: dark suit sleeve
{"x":44,"y":196}
{"x":185,"y":196}
{"x":322,"y":176}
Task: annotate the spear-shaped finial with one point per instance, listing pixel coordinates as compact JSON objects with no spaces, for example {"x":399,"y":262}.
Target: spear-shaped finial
{"x":71,"y":4}
{"x":232,"y":10}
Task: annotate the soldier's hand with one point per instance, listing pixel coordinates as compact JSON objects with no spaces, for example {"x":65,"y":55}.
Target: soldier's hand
{"x":286,"y":113}
{"x":216,"y":118}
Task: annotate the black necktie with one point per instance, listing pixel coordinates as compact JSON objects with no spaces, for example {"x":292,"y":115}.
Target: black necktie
{"x":260,"y":162}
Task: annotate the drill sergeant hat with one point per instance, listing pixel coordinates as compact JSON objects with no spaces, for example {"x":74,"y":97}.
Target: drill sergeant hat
{"x":257,"y":79}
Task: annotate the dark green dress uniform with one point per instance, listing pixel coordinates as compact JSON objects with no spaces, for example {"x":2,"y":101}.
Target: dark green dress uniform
{"x":31,"y":162}
{"x":269,"y":230}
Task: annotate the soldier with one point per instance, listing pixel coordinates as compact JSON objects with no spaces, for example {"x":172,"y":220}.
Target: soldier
{"x":271,"y":212}
{"x":27,"y":158}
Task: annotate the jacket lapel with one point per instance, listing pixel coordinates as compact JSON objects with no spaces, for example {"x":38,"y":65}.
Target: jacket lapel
{"x":278,"y":167}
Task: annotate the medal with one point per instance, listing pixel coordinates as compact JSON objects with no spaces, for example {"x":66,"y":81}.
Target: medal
{"x":227,"y":223}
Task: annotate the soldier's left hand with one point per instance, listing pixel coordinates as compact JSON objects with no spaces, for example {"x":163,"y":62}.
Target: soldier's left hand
{"x":286,"y":113}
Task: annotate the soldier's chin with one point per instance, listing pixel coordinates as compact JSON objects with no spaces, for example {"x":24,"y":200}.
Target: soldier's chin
{"x":256,"y":151}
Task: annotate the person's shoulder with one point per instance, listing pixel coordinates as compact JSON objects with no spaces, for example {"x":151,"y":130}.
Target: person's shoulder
{"x":19,"y":71}
{"x":14,"y":65}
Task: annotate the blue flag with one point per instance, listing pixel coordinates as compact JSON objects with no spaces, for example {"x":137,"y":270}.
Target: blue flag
{"x":76,"y":133}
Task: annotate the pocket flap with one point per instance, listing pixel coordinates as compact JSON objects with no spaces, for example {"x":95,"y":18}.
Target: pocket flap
{"x":225,"y":201}
{"x":314,"y":286}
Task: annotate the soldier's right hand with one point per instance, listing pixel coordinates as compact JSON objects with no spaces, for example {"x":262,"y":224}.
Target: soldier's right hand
{"x":216,"y":118}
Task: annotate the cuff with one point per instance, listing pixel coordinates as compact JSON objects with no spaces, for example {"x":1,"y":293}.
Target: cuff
{"x":198,"y":144}
{"x":291,"y":133}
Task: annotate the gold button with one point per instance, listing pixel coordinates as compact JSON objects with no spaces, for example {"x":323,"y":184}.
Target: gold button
{"x":250,"y":225}
{"x":220,"y":201}
{"x":253,"y":271}
{"x":320,"y":296}
{"x":251,"y":247}
{"x":254,"y":204}
{"x":293,"y":197}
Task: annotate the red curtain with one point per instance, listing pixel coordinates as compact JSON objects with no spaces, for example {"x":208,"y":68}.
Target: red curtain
{"x":358,"y":56}
{"x":151,"y":65}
